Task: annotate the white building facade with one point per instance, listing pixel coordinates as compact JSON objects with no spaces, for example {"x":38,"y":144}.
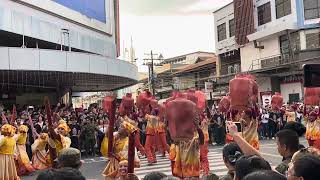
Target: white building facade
{"x":61,"y":45}
{"x":286,"y":35}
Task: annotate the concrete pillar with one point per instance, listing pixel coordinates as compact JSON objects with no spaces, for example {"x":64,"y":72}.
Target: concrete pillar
{"x":218,"y":66}
{"x":303,"y":40}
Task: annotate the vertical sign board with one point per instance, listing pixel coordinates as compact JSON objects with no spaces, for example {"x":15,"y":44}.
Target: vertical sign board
{"x":208,"y":87}
{"x":266,"y":98}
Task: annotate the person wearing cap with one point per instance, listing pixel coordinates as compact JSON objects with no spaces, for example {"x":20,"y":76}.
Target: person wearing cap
{"x":69,"y":157}
{"x":69,"y":163}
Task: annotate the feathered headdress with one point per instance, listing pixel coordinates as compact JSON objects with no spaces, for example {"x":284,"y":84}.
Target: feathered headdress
{"x":23,"y":129}
{"x":8,"y":130}
{"x":65,"y":127}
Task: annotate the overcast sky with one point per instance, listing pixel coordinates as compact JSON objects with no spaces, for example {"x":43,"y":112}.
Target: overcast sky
{"x":170,"y":27}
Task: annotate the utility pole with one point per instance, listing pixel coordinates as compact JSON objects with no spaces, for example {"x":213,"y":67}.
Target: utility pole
{"x":150,"y":63}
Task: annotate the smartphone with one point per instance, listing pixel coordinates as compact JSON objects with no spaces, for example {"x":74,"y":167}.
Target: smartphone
{"x":238,"y":124}
{"x":311,"y":75}
{"x":239,"y":127}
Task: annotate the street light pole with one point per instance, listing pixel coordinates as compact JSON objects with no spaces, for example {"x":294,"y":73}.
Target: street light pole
{"x":152,"y":75}
{"x":150,"y":64}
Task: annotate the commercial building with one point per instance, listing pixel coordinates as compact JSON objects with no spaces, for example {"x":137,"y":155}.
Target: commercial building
{"x":227,"y":49}
{"x":56,"y":47}
{"x":275,"y":38}
{"x":183,"y":72}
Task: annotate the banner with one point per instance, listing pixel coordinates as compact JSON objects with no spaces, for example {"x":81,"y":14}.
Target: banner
{"x":208,"y":87}
{"x":266,"y":98}
{"x":94,"y":9}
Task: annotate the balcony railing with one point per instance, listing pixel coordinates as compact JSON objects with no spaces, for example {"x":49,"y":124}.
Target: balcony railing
{"x":272,"y":61}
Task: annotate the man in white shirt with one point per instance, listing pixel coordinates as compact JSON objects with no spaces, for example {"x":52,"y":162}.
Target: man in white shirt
{"x":265,"y":123}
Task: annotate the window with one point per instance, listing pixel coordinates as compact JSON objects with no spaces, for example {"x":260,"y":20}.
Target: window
{"x":294,"y":98}
{"x":283,"y":8}
{"x":285,"y":45}
{"x":232,"y":28}
{"x":230,"y":69}
{"x":222,"y":32}
{"x":236,"y":68}
{"x":264,"y":14}
{"x":311,"y":9}
{"x":313,"y":40}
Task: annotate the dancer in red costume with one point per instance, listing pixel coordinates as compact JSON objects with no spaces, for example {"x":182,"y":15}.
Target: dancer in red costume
{"x":150,"y":145}
{"x":204,"y":162}
{"x":313,"y":128}
{"x":134,"y":116}
{"x":163,"y":138}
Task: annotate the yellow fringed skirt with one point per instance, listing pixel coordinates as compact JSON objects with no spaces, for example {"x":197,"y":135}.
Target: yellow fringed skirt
{"x":8,"y":169}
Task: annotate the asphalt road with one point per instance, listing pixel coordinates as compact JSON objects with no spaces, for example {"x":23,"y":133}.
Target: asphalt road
{"x":92,"y":168}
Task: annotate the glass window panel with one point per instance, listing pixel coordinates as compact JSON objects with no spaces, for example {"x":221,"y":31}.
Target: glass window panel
{"x":311,"y":14}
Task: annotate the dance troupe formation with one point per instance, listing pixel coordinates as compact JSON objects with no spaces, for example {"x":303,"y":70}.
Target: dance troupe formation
{"x":183,"y":115}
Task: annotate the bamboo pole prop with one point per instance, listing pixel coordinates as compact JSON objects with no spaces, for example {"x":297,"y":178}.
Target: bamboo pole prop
{"x":131,"y":152}
{"x":4,"y":118}
{"x":52,"y":151}
{"x":35,"y":135}
{"x":109,"y":105}
{"x":13,"y":116}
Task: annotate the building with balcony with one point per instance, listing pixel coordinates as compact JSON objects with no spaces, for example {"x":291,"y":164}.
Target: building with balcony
{"x":227,"y":50}
{"x":182,"y":72}
{"x":56,"y":47}
{"x":286,"y":37}
{"x":274,"y":38}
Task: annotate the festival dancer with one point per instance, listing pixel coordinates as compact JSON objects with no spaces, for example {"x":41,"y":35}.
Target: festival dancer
{"x":151,"y":130}
{"x":59,"y":136}
{"x":119,"y":151}
{"x":8,"y":170}
{"x":39,"y":153}
{"x":24,"y":166}
{"x":58,"y":139}
{"x":185,"y":157}
{"x":204,"y":162}
{"x":163,"y":137}
{"x":312,"y":121}
{"x":250,"y":128}
{"x":137,"y":142}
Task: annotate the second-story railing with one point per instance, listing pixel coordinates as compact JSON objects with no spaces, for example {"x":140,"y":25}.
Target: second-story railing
{"x":271,"y":61}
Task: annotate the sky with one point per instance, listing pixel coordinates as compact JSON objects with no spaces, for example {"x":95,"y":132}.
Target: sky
{"x":169,"y":27}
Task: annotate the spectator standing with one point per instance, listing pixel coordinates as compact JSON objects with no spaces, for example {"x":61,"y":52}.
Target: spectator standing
{"x":220,"y":128}
{"x":248,"y":164}
{"x":305,"y":168}
{"x":40,"y":126}
{"x":142,"y":124}
{"x":88,"y":133}
{"x":287,"y":144}
{"x":75,"y":134}
{"x":273,"y":121}
{"x":231,"y":153}
{"x":265,"y":123}
{"x":265,"y":175}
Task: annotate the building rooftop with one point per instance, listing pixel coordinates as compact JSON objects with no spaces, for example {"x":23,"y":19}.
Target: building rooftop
{"x":222,"y":7}
{"x":197,"y":66}
{"x":184,"y":56}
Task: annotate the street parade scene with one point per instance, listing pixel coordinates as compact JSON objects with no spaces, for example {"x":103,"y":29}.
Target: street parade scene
{"x":228,"y":90}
